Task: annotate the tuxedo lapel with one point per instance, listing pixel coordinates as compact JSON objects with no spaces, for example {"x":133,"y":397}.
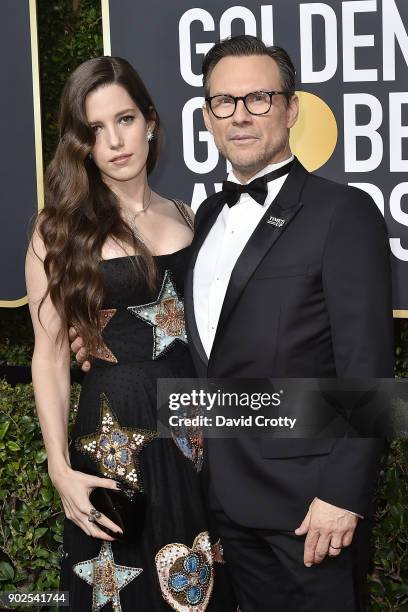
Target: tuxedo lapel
{"x":270,"y":228}
{"x":205,"y":219}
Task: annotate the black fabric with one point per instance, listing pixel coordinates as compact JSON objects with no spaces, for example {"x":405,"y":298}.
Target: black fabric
{"x":267,"y":571}
{"x":174,"y":510}
{"x":308,"y":298}
{"x":257,"y":189}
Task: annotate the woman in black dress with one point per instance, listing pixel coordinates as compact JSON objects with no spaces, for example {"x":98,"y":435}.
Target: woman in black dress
{"x":108,"y":255}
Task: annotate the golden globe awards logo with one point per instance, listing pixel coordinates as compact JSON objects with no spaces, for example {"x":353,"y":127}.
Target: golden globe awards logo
{"x":355,"y":51}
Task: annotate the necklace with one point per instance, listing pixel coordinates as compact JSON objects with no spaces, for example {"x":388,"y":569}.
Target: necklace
{"x":130,"y":219}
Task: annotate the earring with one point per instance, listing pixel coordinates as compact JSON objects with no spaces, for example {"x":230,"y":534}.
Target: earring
{"x":149,"y":135}
{"x":90,"y":156}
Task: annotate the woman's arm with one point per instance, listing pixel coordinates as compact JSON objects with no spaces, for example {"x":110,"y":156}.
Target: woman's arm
{"x":51,"y":362}
{"x":51,"y":381}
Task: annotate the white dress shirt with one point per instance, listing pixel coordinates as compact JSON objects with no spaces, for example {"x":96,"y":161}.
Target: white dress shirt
{"x":220,"y":251}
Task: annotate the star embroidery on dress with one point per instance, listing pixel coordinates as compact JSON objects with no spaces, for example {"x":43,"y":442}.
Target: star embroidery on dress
{"x":115,"y":448}
{"x":165,"y":315}
{"x":102,"y":351}
{"x":107,"y":578}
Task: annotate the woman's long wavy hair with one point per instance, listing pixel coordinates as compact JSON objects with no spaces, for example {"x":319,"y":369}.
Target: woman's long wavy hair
{"x":81,"y":212}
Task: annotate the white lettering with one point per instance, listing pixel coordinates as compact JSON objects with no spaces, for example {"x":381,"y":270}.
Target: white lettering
{"x":351,"y":41}
{"x":398,"y":250}
{"x":267,"y":24}
{"x":307,"y":11}
{"x":397,"y":132}
{"x":194,"y":14}
{"x":395,"y":203}
{"x":199,"y":167}
{"x":353,"y":131}
{"x":393,"y":29}
{"x":237,"y":12}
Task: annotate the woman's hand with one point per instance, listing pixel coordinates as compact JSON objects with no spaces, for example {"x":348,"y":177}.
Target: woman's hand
{"x":80,"y":350}
{"x":74,"y":488}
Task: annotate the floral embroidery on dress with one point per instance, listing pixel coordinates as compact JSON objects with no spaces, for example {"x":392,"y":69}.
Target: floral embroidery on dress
{"x":186,"y":574}
{"x":115,"y":448}
{"x":165,"y":315}
{"x":102,"y":351}
{"x":106,"y":577}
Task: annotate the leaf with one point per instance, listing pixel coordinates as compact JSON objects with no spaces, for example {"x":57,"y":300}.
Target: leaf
{"x":6,"y":571}
{"x":40,"y":532}
{"x":43,"y":553}
{"x":3,"y":429}
{"x":40,"y":456}
{"x":47,"y":495}
{"x":13,"y":446}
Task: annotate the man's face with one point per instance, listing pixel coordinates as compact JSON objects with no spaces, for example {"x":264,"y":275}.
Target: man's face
{"x":250,"y":142}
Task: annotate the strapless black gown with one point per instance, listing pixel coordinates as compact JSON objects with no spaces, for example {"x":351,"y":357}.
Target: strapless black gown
{"x":173,"y":564}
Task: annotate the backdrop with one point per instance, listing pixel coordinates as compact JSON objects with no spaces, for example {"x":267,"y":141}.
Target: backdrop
{"x":20,"y":143}
{"x":351,"y":59}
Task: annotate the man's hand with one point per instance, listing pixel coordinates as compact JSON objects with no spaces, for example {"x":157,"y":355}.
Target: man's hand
{"x":328,"y":529}
{"x":77,"y":347}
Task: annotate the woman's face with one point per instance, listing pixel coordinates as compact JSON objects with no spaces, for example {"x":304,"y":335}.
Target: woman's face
{"x":121,"y":145}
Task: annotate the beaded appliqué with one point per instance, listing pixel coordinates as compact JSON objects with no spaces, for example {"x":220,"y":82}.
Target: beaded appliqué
{"x":165,"y":315}
{"x":186,"y":574}
{"x":106,"y":577}
{"x":115,"y":448}
{"x":191,"y":445}
{"x":218,"y":552}
{"x":103,"y":351}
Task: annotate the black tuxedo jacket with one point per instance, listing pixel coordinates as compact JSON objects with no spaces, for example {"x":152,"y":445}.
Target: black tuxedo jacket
{"x":311,"y":298}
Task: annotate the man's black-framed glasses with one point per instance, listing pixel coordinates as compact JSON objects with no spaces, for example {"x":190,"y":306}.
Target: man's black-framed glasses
{"x":256,"y":102}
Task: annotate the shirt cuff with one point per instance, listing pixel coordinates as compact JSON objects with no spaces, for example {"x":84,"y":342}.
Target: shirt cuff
{"x":354,"y":513}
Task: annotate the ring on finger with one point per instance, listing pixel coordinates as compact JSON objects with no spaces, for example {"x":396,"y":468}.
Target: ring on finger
{"x":97,"y":514}
{"x":336,"y":547}
{"x":91,"y":518}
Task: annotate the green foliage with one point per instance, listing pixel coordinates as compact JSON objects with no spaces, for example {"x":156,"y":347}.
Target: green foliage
{"x":389,"y":582}
{"x":31,"y":514}
{"x":16,"y":336}
{"x":67,"y":37}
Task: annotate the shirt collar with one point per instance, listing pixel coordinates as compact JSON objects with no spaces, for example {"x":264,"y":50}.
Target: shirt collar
{"x":266,"y":170}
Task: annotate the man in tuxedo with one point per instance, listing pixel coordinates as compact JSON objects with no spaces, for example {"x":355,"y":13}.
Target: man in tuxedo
{"x":289,"y":277}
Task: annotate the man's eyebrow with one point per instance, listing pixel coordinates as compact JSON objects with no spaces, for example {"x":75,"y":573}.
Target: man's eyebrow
{"x":227,"y":93}
{"x":122,"y":112}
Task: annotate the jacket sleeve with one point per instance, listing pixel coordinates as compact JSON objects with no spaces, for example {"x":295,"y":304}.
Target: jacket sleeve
{"x":357,"y":288}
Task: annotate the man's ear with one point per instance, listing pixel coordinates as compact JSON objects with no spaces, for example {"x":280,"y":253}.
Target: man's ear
{"x":292,"y":111}
{"x":206,"y":116}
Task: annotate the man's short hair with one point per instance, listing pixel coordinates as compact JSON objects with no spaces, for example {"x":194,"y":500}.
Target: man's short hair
{"x":250,"y":45}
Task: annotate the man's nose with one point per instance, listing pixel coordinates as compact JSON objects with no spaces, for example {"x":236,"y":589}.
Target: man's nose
{"x":241,"y":115}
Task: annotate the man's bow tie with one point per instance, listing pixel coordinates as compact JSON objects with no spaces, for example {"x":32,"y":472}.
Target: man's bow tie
{"x":257,"y":189}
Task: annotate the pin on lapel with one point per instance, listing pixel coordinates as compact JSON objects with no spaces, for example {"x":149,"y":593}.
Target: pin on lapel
{"x":276,"y":221}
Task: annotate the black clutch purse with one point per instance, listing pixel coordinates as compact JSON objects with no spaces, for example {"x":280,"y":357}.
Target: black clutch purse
{"x":126,"y":509}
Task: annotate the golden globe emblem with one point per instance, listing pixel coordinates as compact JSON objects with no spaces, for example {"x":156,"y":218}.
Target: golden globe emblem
{"x":314,"y":136}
